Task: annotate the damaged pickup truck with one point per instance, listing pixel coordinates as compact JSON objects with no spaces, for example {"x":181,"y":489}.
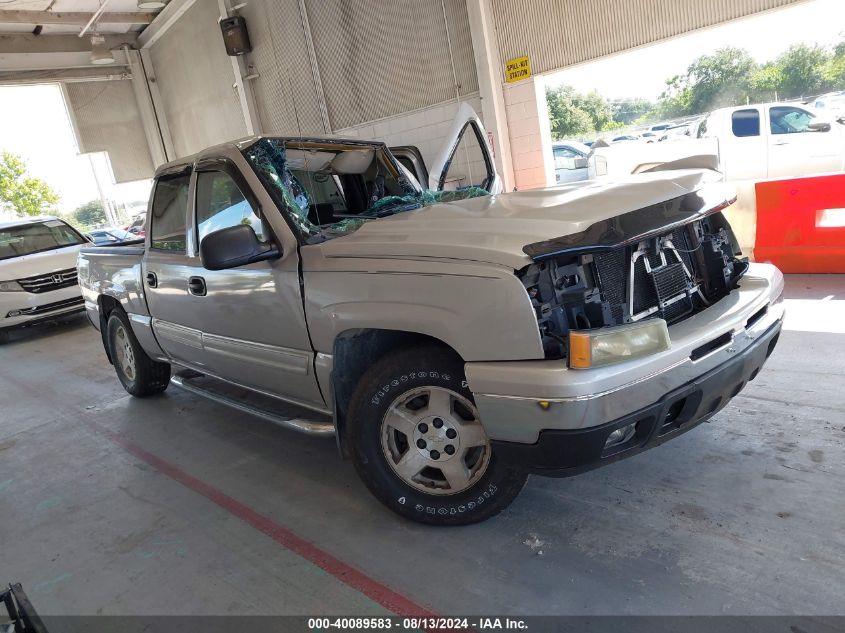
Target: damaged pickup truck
{"x":452,"y":341}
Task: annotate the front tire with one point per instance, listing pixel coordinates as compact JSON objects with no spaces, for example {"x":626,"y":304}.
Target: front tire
{"x":139,"y":374}
{"x":418,"y":444}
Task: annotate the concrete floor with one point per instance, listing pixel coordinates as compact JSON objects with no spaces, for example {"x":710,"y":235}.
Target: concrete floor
{"x":175,"y":505}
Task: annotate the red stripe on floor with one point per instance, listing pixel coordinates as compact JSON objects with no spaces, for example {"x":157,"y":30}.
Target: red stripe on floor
{"x":374,"y":590}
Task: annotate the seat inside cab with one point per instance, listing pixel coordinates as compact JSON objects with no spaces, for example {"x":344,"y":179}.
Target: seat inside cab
{"x":342,"y":181}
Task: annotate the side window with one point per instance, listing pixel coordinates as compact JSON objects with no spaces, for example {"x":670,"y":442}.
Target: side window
{"x":788,"y":120}
{"x":170,"y":207}
{"x":221,"y":204}
{"x":467,"y":167}
{"x":746,"y":122}
{"x":564,"y":158}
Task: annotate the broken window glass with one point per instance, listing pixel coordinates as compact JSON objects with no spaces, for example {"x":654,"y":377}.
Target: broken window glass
{"x":332,"y":189}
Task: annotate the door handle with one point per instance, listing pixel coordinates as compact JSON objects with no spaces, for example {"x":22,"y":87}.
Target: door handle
{"x":152,"y":280}
{"x":196,"y":286}
{"x":781,"y":143}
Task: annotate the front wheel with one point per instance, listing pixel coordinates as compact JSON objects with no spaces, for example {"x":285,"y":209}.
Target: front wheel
{"x":139,"y":374}
{"x":419,"y":445}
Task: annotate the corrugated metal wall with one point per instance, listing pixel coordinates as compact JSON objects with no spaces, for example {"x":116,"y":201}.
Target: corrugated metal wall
{"x":195,"y":79}
{"x":560,"y":33}
{"x":285,"y":92}
{"x":378,"y":59}
{"x":375,"y":59}
{"x":107,"y":120}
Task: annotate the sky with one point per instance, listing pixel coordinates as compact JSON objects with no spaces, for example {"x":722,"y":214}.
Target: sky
{"x":642,"y":72}
{"x":34,"y":124}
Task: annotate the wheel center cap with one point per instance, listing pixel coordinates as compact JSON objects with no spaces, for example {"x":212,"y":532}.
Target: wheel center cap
{"x":436,"y":438}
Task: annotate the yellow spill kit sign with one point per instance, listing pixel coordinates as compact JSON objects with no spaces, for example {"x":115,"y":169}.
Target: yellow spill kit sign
{"x":517,"y":69}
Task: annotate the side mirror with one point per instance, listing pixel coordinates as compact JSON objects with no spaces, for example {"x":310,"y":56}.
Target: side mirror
{"x":819,"y":126}
{"x":580,"y":163}
{"x":234,"y":246}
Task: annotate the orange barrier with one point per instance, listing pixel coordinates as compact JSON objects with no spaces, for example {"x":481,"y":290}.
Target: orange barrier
{"x":801,"y":224}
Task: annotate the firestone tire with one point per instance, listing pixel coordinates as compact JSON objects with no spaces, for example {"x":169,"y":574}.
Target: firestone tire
{"x":139,"y":374}
{"x":418,"y":445}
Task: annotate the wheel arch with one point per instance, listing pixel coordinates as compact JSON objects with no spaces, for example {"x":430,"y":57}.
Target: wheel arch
{"x":106,"y":305}
{"x":354,"y":351}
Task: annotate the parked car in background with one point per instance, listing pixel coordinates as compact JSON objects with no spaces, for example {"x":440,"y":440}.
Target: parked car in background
{"x":832,"y":105}
{"x":112,"y":236}
{"x":570,"y":161}
{"x":136,"y":227}
{"x":37,"y":271}
{"x":625,"y":137}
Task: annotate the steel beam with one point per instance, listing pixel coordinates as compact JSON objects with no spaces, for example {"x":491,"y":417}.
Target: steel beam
{"x":74,"y":18}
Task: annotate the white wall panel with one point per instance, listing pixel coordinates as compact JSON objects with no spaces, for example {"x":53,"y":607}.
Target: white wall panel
{"x":560,"y":33}
{"x":195,"y":80}
{"x":426,"y":128}
{"x":106,"y":119}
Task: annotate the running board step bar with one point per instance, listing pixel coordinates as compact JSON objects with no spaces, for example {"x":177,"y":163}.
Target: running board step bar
{"x":186,"y":380}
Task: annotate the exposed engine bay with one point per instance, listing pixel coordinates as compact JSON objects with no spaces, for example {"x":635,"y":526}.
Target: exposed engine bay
{"x":669,"y":276}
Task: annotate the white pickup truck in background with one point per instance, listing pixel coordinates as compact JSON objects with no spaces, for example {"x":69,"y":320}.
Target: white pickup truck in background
{"x":750,"y":143}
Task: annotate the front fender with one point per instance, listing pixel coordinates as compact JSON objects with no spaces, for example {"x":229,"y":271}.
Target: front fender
{"x":481,"y":312}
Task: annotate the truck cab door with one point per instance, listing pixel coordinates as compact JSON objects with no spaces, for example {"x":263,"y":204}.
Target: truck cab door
{"x":466,"y":159}
{"x":798,"y":145}
{"x":743,"y":149}
{"x":251,"y":317}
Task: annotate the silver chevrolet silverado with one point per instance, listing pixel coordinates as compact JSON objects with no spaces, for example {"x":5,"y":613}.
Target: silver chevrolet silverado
{"x":452,"y":341}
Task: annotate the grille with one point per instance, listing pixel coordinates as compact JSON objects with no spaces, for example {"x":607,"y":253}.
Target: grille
{"x":47,"y":307}
{"x":46,"y":283}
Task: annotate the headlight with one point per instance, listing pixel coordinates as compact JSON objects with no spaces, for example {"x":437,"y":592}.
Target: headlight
{"x":605,"y":346}
{"x":10,"y":286}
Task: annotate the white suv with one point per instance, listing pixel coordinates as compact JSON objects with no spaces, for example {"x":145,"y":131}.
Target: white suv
{"x":37,"y":271}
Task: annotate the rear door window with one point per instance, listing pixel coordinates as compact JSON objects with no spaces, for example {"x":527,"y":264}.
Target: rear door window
{"x":169,"y":213}
{"x":746,"y":122}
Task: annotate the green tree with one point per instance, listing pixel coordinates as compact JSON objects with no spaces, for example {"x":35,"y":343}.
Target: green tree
{"x":766,"y":83}
{"x":21,"y":193}
{"x":802,"y":69}
{"x":566,"y":118}
{"x":596,"y":108}
{"x":834,"y":69}
{"x":628,"y":111}
{"x":90,"y":214}
{"x":719,"y":80}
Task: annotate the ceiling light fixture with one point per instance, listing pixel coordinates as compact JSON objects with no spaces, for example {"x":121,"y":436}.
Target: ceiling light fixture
{"x":151,"y":4}
{"x":100,"y":53}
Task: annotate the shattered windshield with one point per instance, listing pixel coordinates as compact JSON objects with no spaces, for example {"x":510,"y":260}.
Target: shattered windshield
{"x":331,"y":188}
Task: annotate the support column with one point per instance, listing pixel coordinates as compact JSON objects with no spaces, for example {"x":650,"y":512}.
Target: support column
{"x":146,"y":109}
{"x":530,"y":133}
{"x":489,"y":69}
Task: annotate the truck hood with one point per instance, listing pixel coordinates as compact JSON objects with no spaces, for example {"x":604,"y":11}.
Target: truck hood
{"x":41,"y":263}
{"x":497,"y":229}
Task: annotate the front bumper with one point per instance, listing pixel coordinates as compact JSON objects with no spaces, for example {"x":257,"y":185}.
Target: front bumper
{"x":507,"y":394}
{"x":561,"y":453}
{"x":20,"y":309}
